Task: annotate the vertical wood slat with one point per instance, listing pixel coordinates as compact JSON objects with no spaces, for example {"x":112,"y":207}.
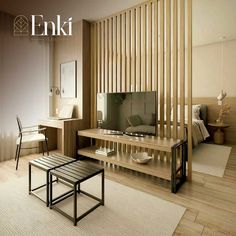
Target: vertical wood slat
{"x":149,"y":47}
{"x":162,"y":86}
{"x":154,"y":46}
{"x":114,"y":56}
{"x":110,"y":55}
{"x":155,"y":72}
{"x":103,"y":56}
{"x":182,"y":67}
{"x":123,"y":49}
{"x":189,"y":90}
{"x":175,"y":68}
{"x":168,"y":69}
{"x":138,"y":49}
{"x":93,"y":64}
{"x":128,"y":52}
{"x":99,"y":57}
{"x":118,"y":53}
{"x":133,"y":45}
{"x":106,"y":66}
{"x":143,"y":48}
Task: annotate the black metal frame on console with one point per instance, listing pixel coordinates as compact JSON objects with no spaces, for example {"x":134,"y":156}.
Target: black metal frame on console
{"x":47,"y":170}
{"x":177,"y":181}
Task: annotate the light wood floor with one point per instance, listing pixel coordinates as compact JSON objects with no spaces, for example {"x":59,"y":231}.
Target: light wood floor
{"x":210,"y":201}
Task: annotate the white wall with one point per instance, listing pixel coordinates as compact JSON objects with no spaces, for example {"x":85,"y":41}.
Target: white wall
{"x":208,"y":76}
{"x":24,"y":71}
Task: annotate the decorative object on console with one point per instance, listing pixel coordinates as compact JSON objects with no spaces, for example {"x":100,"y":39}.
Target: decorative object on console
{"x":140,"y":157}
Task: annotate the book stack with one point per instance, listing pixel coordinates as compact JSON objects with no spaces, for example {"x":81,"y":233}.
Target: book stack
{"x":105,"y":151}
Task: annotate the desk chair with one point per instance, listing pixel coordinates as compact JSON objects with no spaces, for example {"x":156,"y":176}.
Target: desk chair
{"x":28,"y":135}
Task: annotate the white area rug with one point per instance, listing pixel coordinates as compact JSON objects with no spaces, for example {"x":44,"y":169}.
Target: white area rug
{"x":126,"y":212}
{"x":210,"y":159}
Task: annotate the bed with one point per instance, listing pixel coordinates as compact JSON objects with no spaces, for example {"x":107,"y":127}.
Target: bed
{"x":199,"y":123}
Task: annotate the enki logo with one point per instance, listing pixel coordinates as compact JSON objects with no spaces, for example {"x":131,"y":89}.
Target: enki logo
{"x":46,"y":28}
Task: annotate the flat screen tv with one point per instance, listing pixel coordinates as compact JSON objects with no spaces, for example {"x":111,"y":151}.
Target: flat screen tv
{"x":131,"y":113}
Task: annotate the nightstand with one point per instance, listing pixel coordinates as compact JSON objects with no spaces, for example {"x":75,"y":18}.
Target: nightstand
{"x":219,"y":132}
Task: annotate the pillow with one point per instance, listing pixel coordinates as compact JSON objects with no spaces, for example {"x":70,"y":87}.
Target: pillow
{"x":196,"y":112}
{"x":134,"y":120}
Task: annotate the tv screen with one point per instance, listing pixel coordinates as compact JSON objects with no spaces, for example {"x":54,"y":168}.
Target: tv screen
{"x":133,"y":112}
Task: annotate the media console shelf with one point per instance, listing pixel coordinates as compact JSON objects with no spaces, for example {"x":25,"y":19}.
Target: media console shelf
{"x":172,"y":169}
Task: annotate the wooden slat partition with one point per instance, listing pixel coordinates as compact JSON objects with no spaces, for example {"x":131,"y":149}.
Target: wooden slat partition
{"x":114,"y":39}
{"x":162,"y":57}
{"x":133,"y":45}
{"x":168,"y":69}
{"x":175,"y":68}
{"x":123,"y":55}
{"x":110,"y":42}
{"x":182,"y":67}
{"x":138,"y":50}
{"x":190,"y":89}
{"x":106,"y":66}
{"x":132,"y":51}
{"x":128,"y":51}
{"x":99,"y":56}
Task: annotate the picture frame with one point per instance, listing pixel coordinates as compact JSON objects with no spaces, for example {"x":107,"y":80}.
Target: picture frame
{"x":68,"y":79}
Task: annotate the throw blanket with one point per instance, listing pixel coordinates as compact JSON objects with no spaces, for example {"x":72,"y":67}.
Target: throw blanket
{"x":199,"y":131}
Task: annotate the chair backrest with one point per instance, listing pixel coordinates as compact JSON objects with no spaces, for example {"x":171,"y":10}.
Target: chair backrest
{"x":19,"y":123}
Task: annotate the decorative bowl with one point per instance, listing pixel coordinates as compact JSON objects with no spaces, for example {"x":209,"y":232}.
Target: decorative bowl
{"x":140,"y":157}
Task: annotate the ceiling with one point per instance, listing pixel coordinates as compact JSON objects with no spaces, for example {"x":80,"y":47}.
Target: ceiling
{"x":212,"y":19}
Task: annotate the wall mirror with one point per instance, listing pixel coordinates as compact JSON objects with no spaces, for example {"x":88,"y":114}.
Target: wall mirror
{"x":68,"y":79}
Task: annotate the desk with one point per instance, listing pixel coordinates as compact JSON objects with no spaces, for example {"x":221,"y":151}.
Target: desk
{"x":61,"y":135}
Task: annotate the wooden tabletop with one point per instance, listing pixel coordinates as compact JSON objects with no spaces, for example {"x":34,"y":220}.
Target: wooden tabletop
{"x":156,"y":143}
{"x":219,"y":125}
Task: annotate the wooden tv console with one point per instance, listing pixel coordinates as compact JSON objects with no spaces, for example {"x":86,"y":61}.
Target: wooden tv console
{"x":172,"y":169}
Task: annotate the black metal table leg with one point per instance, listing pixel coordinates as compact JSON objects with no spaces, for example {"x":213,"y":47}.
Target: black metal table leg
{"x":51,"y":193}
{"x":47,"y":187}
{"x":103,"y":195}
{"x":29,"y":178}
{"x":75,"y":205}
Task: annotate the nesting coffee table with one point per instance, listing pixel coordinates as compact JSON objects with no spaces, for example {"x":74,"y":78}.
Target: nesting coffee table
{"x":47,"y":163}
{"x":73,"y":174}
